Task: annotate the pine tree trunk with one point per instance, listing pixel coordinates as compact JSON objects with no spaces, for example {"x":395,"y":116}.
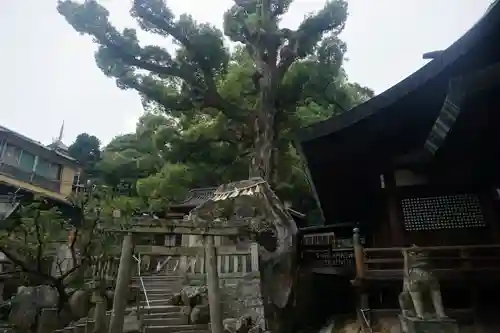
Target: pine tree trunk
{"x":264,"y":165}
{"x":263,"y":161}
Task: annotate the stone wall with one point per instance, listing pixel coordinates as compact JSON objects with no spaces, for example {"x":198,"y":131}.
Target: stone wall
{"x":240,"y":294}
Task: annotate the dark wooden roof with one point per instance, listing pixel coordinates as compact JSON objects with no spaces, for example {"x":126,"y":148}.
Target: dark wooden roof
{"x":487,"y":24}
{"x":346,"y":154}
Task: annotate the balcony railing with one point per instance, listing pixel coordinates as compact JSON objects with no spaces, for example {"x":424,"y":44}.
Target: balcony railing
{"x":446,"y":261}
{"x":30,"y":177}
{"x":328,"y":249}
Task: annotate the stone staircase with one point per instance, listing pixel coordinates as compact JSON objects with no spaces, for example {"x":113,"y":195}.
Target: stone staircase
{"x":160,"y":317}
{"x":155,"y":314}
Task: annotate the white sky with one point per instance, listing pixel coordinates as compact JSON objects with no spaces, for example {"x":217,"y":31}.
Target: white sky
{"x":49,"y":74}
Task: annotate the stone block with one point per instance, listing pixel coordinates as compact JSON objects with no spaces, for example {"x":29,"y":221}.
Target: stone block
{"x":431,"y":325}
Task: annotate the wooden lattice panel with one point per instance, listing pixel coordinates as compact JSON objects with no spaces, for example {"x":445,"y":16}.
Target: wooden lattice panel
{"x":442,"y":212}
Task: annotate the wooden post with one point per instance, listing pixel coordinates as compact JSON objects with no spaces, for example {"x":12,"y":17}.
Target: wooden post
{"x":359,"y":257}
{"x":394,"y":210}
{"x":359,"y":254}
{"x":214,"y":299}
{"x":122,"y":285}
{"x":490,"y":214}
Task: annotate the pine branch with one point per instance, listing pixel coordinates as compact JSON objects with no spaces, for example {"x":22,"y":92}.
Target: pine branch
{"x":153,"y":15}
{"x":302,"y":42}
{"x":19,"y":262}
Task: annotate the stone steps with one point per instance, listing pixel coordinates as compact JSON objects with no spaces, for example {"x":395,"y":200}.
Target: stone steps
{"x":160,"y":289}
{"x":156,"y":288}
{"x":162,"y":301}
{"x":162,"y":321}
{"x":162,"y":315}
{"x":161,"y":309}
{"x":159,"y":317}
{"x":157,"y":297}
{"x":160,"y":292}
{"x":176,"y":329}
{"x":164,"y":278}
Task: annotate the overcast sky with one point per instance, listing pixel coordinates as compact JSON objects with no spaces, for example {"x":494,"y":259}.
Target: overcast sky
{"x":49,"y":74}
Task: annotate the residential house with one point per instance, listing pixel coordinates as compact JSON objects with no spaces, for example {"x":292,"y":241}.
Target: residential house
{"x":27,"y":166}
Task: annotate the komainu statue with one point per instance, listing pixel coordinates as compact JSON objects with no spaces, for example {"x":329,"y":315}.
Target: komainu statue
{"x":419,"y":286}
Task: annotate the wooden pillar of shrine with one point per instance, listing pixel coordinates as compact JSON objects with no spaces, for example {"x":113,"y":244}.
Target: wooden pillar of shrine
{"x":359,"y":257}
{"x":490,"y":213}
{"x":394,"y":210}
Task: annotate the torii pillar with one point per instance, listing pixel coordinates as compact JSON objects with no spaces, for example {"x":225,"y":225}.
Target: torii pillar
{"x":122,"y":285}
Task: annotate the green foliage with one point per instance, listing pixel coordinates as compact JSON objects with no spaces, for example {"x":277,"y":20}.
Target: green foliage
{"x":213,"y":115}
{"x":33,"y":242}
{"x":167,"y":186}
{"x":86,"y":150}
{"x":34,"y":236}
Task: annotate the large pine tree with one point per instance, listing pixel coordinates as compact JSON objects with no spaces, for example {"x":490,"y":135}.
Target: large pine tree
{"x":190,"y":80}
{"x":249,"y":101}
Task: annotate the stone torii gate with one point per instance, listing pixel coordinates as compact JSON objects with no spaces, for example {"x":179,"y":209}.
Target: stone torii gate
{"x":246,"y":209}
{"x":171,"y":227}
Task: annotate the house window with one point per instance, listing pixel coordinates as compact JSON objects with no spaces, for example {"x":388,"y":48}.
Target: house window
{"x":12,"y":155}
{"x":19,"y":158}
{"x":76,"y":179}
{"x":47,"y":169}
{"x":26,"y":161}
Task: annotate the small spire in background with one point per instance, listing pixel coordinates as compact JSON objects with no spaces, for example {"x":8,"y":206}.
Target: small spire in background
{"x":57,"y":143}
{"x":61,"y":132}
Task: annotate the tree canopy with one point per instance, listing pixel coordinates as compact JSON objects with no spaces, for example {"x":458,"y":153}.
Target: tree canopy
{"x":86,"y":150}
{"x":216,"y":113}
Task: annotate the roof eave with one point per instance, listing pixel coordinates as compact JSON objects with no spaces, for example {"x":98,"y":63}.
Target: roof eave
{"x":68,"y":159}
{"x":411,"y":83}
